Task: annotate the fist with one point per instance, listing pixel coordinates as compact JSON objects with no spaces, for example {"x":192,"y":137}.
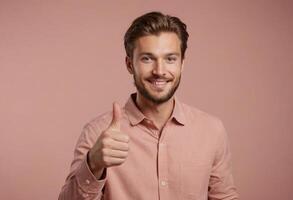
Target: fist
{"x":112,"y":147}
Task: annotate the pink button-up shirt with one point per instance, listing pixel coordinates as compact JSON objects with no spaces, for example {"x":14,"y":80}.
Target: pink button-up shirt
{"x":189,"y":159}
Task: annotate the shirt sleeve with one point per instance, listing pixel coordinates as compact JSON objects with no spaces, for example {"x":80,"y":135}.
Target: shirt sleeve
{"x":221,"y":184}
{"x":81,"y":183}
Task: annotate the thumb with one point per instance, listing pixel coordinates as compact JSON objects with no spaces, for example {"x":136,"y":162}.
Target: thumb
{"x":115,"y":123}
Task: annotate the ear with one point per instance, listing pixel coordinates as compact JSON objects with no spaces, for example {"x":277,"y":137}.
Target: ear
{"x":129,"y":64}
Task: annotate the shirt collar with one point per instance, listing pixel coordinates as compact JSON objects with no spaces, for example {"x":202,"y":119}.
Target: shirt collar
{"x":136,"y":116}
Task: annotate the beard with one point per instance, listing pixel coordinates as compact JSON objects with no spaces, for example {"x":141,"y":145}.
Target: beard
{"x":156,"y":100}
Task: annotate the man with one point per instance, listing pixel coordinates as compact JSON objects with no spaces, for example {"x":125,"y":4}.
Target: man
{"x":155,"y":147}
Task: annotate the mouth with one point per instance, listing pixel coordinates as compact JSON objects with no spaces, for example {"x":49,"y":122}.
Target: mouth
{"x":158,"y":84}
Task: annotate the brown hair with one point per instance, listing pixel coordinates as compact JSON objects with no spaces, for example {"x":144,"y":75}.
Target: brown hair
{"x":153,"y":23}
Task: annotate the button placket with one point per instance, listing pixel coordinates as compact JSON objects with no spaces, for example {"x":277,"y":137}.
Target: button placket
{"x":162,"y":170}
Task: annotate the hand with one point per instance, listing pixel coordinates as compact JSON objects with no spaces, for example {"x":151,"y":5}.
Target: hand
{"x":111,"y":148}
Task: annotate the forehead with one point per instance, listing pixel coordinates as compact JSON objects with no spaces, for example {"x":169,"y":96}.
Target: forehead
{"x":163,"y":43}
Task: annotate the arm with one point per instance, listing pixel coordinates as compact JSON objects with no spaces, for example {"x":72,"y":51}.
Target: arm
{"x":95,"y":151}
{"x":81,"y":183}
{"x":221,"y":185}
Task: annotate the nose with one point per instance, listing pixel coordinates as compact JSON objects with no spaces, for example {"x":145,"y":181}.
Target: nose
{"x":159,"y":68}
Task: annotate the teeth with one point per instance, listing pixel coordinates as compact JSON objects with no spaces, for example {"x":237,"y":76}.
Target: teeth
{"x":159,"y":82}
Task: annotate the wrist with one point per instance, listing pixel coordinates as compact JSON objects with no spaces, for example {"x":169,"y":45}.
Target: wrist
{"x":98,"y":172}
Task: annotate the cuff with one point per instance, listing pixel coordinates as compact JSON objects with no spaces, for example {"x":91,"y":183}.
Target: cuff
{"x":87,"y":181}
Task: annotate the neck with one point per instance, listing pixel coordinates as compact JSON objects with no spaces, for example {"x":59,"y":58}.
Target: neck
{"x":158,"y":113}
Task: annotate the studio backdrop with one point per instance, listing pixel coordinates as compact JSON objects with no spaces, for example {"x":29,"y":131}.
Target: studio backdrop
{"x":62,"y":64}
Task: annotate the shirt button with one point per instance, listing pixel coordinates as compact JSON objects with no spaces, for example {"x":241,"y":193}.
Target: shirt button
{"x":87,"y":181}
{"x":164,"y":183}
{"x":85,"y":195}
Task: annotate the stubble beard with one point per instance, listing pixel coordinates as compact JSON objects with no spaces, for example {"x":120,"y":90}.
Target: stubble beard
{"x":144,"y":92}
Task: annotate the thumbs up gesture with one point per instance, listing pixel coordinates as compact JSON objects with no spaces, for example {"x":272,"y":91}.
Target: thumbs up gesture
{"x":111,"y":148}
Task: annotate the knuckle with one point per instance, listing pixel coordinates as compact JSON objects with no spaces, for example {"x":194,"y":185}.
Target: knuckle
{"x":105,"y":142}
{"x":104,"y":151}
{"x":104,"y":134}
{"x":126,"y":138}
{"x":107,"y":134}
{"x":125,"y":154}
{"x":106,"y":161}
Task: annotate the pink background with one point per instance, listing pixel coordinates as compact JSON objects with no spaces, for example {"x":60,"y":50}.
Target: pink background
{"x":62,"y":63}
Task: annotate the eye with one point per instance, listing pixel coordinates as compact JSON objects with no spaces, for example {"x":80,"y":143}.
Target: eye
{"x":171,"y":59}
{"x":146,"y":59}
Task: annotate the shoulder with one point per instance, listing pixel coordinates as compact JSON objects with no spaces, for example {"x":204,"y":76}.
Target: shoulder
{"x":198,"y":117}
{"x":209,"y":127}
{"x":193,"y":113}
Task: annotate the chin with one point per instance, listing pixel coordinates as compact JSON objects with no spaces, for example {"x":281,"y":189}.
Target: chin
{"x":158,"y":99}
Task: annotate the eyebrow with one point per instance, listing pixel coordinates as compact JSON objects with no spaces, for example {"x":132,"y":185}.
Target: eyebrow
{"x":151,"y":54}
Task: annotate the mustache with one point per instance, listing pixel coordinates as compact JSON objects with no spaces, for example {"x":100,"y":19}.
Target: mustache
{"x":158,"y":78}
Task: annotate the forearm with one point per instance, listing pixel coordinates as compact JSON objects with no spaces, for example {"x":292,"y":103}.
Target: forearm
{"x":82,"y":185}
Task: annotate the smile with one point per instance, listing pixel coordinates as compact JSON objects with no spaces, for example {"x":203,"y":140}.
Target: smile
{"x":158,"y":83}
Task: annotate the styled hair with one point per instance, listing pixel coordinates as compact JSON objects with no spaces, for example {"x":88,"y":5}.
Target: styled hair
{"x":154,"y":23}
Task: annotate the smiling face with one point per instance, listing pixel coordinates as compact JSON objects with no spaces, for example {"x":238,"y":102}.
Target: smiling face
{"x":156,"y":66}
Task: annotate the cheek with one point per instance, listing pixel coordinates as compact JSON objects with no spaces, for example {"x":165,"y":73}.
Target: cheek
{"x":175,"y":72}
{"x":144,"y":71}
{"x":140,"y":76}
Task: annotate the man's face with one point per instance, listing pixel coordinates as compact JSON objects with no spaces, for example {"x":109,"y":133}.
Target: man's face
{"x":156,"y":66}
